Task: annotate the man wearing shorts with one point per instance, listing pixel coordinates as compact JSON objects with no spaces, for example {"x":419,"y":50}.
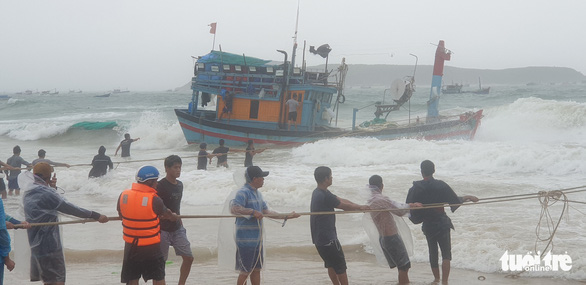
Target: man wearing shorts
{"x":173,"y":233}
{"x":249,"y":244}
{"x":390,"y":241}
{"x":323,"y":227}
{"x":42,"y":204}
{"x":16,"y":161}
{"x":292,"y":106}
{"x":140,"y":209}
{"x":436,"y":224}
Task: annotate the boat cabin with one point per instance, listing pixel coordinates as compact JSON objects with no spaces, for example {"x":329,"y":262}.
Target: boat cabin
{"x":259,"y":90}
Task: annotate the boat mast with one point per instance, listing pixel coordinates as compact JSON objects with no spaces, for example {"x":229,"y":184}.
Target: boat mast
{"x":441,"y":54}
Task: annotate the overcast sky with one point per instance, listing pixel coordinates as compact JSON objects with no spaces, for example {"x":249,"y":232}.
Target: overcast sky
{"x":148,"y":44}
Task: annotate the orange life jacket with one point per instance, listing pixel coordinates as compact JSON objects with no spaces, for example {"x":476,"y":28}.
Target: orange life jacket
{"x":140,"y":224}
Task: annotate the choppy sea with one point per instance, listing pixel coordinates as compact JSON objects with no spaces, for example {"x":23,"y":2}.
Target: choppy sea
{"x":532,"y":138}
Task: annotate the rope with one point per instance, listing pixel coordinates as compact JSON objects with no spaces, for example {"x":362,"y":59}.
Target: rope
{"x":547,"y":199}
{"x":146,"y":160}
{"x":551,"y":194}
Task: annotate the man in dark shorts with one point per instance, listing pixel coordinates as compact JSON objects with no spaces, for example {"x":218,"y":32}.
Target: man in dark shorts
{"x":222,"y":153}
{"x":173,"y":233}
{"x":125,"y":146}
{"x":323,"y":227}
{"x":140,"y":209}
{"x":249,"y":203}
{"x":16,"y":161}
{"x":228,"y":98}
{"x":436,"y":224}
{"x":42,"y":204}
{"x":390,"y":241}
{"x":292,"y":106}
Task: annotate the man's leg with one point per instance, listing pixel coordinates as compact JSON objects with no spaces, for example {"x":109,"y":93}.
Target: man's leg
{"x":333,"y":276}
{"x":403,"y":276}
{"x":343,"y":278}
{"x":242,"y":278}
{"x":445,"y":244}
{"x":185,"y":269}
{"x":433,"y":257}
{"x":134,"y":282}
{"x":255,"y":277}
{"x":445,"y":271}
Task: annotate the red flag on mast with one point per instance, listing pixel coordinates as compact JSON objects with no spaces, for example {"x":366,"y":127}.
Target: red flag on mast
{"x":213,"y":28}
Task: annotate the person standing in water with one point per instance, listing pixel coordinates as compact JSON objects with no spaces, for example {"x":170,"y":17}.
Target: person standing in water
{"x":323,"y":227}
{"x":172,"y":232}
{"x":42,"y":158}
{"x":16,"y":162}
{"x":203,"y":156}
{"x":100,"y":164}
{"x":3,"y":168}
{"x":436,"y":224}
{"x":42,"y":204}
{"x":222,"y":153}
{"x":249,"y":243}
{"x":250,"y":153}
{"x":390,"y":241}
{"x":125,"y":146}
{"x":141,"y":210}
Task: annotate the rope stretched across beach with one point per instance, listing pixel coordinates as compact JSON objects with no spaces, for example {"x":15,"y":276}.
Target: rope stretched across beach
{"x":543,"y":196}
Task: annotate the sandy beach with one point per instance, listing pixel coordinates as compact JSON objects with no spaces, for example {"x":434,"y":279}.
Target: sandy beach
{"x":296,"y":269}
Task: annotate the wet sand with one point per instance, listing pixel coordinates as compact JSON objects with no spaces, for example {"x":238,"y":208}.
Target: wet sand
{"x":285,"y":270}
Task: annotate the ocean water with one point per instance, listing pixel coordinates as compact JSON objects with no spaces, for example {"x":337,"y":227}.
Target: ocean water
{"x":532,"y":138}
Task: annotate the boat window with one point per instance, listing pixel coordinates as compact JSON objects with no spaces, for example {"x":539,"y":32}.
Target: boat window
{"x":238,"y":68}
{"x":296,"y":70}
{"x":252,"y":69}
{"x":215,"y":68}
{"x":280,"y":72}
{"x":254,"y":109}
{"x":226,"y":67}
{"x":201,"y":66}
{"x":269,"y":69}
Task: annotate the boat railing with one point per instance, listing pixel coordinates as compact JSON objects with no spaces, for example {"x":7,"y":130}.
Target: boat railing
{"x":267,"y":85}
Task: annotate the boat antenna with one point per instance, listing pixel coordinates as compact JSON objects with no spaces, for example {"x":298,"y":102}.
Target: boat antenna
{"x":416,"y":60}
{"x":445,"y":49}
{"x":296,"y":24}
{"x":293,"y":54}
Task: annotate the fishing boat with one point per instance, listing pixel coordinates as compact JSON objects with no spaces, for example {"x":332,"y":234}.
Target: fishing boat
{"x":116,"y":91}
{"x":103,"y":95}
{"x":258,"y":90}
{"x":4,"y":97}
{"x":481,"y":90}
{"x":452,"y":89}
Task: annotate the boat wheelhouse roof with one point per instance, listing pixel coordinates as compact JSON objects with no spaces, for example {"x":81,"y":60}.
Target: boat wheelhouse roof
{"x":231,"y":58}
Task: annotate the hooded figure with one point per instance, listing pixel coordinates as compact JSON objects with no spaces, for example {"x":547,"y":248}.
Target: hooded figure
{"x":100,"y":163}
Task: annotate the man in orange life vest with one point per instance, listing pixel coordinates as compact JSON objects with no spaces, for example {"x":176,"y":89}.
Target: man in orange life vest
{"x":140,"y":209}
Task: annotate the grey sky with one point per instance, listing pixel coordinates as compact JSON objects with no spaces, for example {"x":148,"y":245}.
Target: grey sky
{"x":147,"y":45}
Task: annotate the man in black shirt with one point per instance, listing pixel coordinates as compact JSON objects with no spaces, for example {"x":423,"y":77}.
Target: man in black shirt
{"x":172,"y":232}
{"x":222,"y":154}
{"x":203,"y":156}
{"x":125,"y":145}
{"x":436,"y":224}
{"x":100,"y":164}
{"x":250,"y":153}
{"x":323,"y":227}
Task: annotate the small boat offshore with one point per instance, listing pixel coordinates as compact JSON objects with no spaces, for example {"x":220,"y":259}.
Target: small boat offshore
{"x":254,"y":92}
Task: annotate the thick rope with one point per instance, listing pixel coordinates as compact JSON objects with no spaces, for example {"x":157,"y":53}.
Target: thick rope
{"x":550,"y":194}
